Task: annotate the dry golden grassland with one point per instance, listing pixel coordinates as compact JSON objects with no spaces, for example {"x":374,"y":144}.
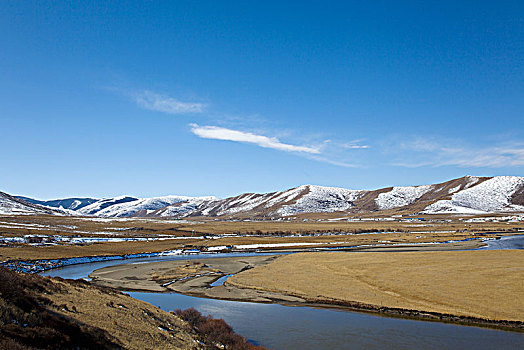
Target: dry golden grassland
{"x":139,"y":226}
{"x":439,"y":229}
{"x":28,"y":252}
{"x":272,"y":227}
{"x":482,"y":284}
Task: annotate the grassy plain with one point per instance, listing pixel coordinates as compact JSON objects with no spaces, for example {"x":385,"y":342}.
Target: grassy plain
{"x":31,"y":252}
{"x":79,"y":226}
{"x":481,"y":284}
{"x":182,"y":234}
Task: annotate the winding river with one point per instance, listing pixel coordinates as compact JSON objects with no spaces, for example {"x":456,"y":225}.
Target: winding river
{"x":285,"y":327}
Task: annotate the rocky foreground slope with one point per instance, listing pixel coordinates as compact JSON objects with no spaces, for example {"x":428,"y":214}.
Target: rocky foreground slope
{"x":465,"y":195}
{"x":44,"y":313}
{"x":52,"y":313}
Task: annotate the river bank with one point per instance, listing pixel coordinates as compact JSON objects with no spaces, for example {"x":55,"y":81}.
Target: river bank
{"x":35,"y":265}
{"x":266,"y":279}
{"x":470,"y":287}
{"x":304,"y":327}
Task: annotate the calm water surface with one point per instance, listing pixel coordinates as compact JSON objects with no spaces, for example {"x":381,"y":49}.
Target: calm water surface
{"x":284,"y":327}
{"x":507,"y":242}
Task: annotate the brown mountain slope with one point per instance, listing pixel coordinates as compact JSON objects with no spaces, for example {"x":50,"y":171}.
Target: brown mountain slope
{"x":309,"y":200}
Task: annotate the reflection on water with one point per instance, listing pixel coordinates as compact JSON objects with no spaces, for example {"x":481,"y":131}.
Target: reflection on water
{"x":83,"y":270}
{"x":507,"y":242}
{"x":283,"y":327}
{"x":220,"y":281}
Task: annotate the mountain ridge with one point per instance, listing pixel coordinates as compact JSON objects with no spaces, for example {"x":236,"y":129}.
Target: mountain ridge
{"x":11,"y":205}
{"x":73,"y":203}
{"x":465,"y":195}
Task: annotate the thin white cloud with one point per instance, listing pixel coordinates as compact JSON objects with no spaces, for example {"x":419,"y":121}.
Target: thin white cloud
{"x":333,"y":162}
{"x":219,"y":133}
{"x":433,"y":154}
{"x":349,"y":146}
{"x":162,"y":103}
{"x":355,"y":144}
{"x":494,"y":157}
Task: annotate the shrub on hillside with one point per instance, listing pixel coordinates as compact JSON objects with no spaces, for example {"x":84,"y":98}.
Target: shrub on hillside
{"x":215,"y":331}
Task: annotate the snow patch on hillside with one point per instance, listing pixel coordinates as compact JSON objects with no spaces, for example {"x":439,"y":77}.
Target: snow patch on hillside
{"x":401,"y":196}
{"x":286,"y":196}
{"x":492,"y":195}
{"x":185,"y":208}
{"x":454,"y":189}
{"x":7,"y":208}
{"x":76,"y":203}
{"x":322,"y":200}
{"x":12,"y":206}
{"x":127,"y":206}
{"x":472,"y":180}
{"x":447,"y":207}
{"x":242,"y":204}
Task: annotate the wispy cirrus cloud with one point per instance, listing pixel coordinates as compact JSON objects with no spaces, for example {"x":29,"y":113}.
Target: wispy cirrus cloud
{"x":334,"y":162}
{"x":493,"y":157}
{"x":219,"y":133}
{"x":432,"y":153}
{"x":354,"y":145}
{"x":163,"y":103}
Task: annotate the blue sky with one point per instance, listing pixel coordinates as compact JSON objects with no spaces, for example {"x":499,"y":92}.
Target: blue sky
{"x":219,"y":98}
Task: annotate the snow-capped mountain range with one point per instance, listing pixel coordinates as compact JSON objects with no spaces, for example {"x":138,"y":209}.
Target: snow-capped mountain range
{"x":67,"y":203}
{"x":465,"y":195}
{"x":130,"y":206}
{"x":10,"y":205}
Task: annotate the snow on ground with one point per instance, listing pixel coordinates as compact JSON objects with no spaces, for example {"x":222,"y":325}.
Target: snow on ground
{"x":217,"y":248}
{"x":54,"y":239}
{"x":14,"y":210}
{"x":125,"y":206}
{"x":493,"y":195}
{"x":9,"y":206}
{"x":22,"y":225}
{"x":401,"y":196}
{"x":308,"y":198}
{"x":184,"y":208}
{"x":507,"y":219}
{"x":454,"y":189}
{"x":472,"y":180}
{"x":322,"y":200}
{"x":286,"y":196}
{"x":242,"y":204}
{"x":447,"y":206}
{"x":276,"y":245}
{"x":132,"y":219}
{"x":30,"y":227}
